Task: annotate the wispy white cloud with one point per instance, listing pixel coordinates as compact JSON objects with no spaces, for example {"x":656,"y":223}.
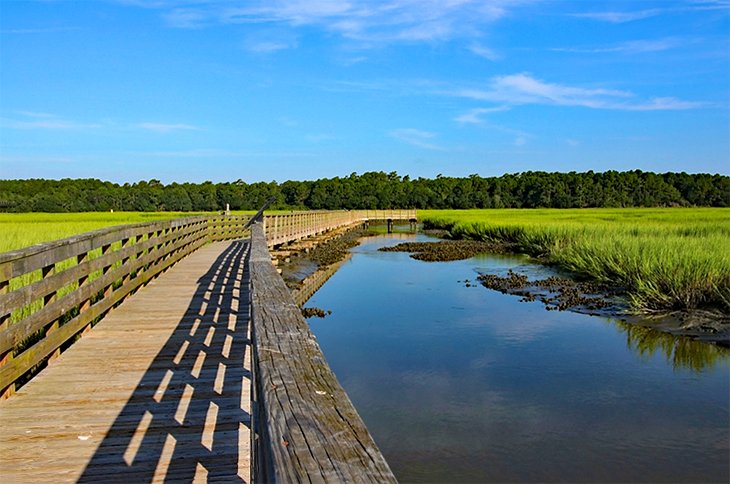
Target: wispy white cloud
{"x":474,"y":116}
{"x":353,"y":60}
{"x":188,"y":18}
{"x":45,"y":121}
{"x":166,"y":127}
{"x":662,"y":104}
{"x":268,"y":41}
{"x":522,"y":88}
{"x":485,"y":52}
{"x":630,"y":47}
{"x":619,"y":17}
{"x":525,"y":89}
{"x":624,"y":16}
{"x":417,"y":137}
{"x":518,"y":136}
{"x":709,"y":4}
{"x":364,"y":21}
{"x":269,"y":46}
{"x":49,"y":121}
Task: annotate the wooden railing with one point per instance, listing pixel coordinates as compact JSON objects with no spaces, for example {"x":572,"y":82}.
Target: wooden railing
{"x":305,"y":427}
{"x":52,"y":293}
{"x":283,"y":228}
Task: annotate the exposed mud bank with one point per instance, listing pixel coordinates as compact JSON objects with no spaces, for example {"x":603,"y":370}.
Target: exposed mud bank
{"x":568,"y":294}
{"x":307,"y":264}
{"x":337,"y":248}
{"x":301,"y":260}
{"x":557,"y":293}
{"x":560,"y":293}
{"x":315,"y":312}
{"x":447,"y":250}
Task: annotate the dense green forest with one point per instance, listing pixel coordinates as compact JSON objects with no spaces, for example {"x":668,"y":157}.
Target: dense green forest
{"x":375,"y":190}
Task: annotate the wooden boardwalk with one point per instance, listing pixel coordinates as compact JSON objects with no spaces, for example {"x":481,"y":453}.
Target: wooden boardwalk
{"x":159,"y":389}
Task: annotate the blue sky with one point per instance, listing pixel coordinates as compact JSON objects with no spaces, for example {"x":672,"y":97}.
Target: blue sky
{"x":194,"y":90}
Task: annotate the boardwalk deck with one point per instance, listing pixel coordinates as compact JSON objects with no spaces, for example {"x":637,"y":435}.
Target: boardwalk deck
{"x":159,"y":389}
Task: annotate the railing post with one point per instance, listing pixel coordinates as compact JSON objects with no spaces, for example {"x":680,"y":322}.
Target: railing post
{"x":7,"y":357}
{"x":87,"y":303}
{"x":48,"y":299}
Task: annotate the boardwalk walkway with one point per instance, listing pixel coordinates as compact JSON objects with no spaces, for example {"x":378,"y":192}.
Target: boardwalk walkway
{"x":159,"y":389}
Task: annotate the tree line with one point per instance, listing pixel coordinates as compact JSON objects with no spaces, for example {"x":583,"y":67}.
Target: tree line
{"x":375,"y":190}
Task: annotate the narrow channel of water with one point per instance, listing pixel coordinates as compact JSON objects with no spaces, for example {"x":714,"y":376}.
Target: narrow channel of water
{"x":464,"y":384}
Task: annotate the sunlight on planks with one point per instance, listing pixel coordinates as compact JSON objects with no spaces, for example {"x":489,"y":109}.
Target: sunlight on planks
{"x":159,"y":390}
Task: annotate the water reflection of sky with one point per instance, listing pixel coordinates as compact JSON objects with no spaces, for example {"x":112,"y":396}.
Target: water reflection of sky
{"x":466,"y":384}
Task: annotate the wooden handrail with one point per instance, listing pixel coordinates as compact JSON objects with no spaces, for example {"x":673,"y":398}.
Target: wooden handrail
{"x":283,"y":228}
{"x":306,"y":428}
{"x":50,"y":293}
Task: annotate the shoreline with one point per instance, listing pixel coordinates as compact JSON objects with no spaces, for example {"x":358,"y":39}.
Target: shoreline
{"x":563,"y":293}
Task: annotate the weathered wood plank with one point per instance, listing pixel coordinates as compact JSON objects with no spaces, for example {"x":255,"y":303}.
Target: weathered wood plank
{"x":35,"y":354}
{"x":308,"y":429}
{"x":106,"y":409}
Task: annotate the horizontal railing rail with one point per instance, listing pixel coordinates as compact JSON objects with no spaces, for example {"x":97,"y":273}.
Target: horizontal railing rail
{"x":52,"y":293}
{"x":305,"y":426}
{"x":283,"y":228}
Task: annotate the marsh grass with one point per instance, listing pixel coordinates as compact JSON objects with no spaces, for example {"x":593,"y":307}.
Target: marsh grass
{"x":676,"y":258}
{"x":18,"y":230}
{"x":27,"y":229}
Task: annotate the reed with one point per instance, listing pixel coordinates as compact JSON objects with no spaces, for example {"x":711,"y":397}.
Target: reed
{"x":666,"y":259}
{"x":18,"y":230}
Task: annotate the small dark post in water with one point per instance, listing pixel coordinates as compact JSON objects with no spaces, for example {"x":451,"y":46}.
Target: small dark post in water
{"x":390,"y":225}
{"x":366,"y":224}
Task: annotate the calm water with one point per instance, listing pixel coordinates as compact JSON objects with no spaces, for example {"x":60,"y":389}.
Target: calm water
{"x":466,"y":384}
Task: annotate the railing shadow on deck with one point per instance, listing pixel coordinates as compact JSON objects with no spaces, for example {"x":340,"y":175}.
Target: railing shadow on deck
{"x":186,"y":417}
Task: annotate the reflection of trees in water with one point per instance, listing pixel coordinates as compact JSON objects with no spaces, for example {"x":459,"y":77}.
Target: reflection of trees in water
{"x":681,"y":351}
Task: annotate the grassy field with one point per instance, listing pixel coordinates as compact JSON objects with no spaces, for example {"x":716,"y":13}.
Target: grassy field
{"x":18,"y":230}
{"x":676,"y":258}
{"x":673,"y":258}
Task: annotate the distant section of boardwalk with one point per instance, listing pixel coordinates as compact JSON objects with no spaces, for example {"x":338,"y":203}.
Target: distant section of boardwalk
{"x":160,"y":389}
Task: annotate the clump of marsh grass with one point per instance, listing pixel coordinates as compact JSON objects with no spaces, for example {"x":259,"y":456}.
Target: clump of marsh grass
{"x":665,"y":259}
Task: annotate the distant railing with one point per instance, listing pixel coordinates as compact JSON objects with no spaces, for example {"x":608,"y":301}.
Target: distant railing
{"x":52,"y":293}
{"x":283,"y":228}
